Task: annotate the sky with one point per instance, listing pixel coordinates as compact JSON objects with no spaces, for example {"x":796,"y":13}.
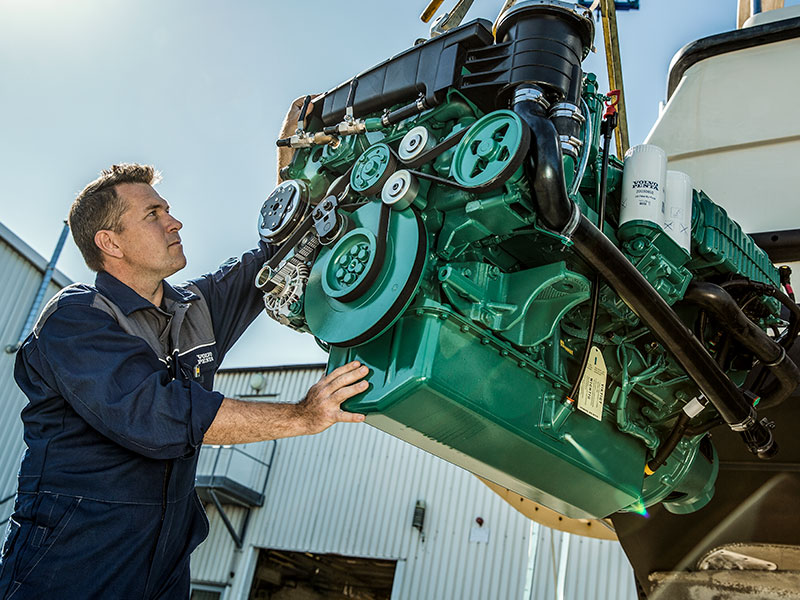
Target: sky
{"x":199,"y":88}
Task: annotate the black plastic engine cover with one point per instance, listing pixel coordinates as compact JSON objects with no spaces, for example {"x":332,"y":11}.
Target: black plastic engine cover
{"x":429,"y":68}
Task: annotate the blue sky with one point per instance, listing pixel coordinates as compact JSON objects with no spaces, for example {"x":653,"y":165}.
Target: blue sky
{"x":199,"y":88}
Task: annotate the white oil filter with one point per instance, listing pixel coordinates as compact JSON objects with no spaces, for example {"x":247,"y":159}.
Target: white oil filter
{"x":678,"y":213}
{"x":644,"y":178}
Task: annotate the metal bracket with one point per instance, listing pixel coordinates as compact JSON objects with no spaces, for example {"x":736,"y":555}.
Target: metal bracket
{"x":238,"y":537}
{"x":328,"y":223}
{"x":446,"y":21}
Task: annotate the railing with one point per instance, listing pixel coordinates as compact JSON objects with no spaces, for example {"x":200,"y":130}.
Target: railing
{"x":237,"y":474}
{"x":232,"y":475}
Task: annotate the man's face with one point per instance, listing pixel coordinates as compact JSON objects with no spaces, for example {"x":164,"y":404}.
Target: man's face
{"x":149,"y":239}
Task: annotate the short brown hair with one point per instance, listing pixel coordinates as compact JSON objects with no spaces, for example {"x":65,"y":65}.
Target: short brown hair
{"x":99,"y":207}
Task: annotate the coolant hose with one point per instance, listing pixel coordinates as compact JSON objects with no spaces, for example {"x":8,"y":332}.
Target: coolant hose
{"x":545,"y":168}
{"x":558,"y":213}
{"x":718,"y":302}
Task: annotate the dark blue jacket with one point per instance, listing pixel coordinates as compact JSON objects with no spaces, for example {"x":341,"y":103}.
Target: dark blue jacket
{"x":120,"y":396}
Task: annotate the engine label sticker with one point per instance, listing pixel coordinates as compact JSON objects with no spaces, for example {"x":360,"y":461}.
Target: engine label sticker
{"x":592,"y":391}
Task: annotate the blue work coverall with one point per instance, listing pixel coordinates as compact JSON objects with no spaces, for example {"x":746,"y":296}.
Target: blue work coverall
{"x":120,"y":396}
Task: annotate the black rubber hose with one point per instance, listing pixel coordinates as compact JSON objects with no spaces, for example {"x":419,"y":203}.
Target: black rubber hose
{"x":769,"y":290}
{"x":404,"y":112}
{"x":639,"y":295}
{"x":301,"y":119}
{"x":705,"y":427}
{"x":718,"y":302}
{"x":669,"y":445}
{"x":545,"y":168}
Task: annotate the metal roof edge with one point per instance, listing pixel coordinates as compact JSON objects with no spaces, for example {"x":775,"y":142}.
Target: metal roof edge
{"x":29,"y":254}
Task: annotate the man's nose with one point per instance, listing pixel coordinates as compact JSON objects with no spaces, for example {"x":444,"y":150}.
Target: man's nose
{"x":173,"y":224}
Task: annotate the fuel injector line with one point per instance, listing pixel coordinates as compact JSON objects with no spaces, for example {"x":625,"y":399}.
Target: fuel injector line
{"x":558,"y":213}
{"x":718,"y":302}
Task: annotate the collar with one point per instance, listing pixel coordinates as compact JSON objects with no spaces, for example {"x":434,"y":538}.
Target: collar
{"x":129,"y":301}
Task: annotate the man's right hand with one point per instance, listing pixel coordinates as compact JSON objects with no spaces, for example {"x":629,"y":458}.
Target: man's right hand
{"x":321,"y":407}
{"x":239,"y":422}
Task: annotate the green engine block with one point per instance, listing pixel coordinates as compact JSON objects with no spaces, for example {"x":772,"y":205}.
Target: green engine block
{"x":416,"y":248}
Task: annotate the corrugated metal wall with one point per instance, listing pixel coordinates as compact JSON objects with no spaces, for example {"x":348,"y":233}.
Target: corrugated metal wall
{"x":352,"y":490}
{"x":20,"y":279}
{"x":571,"y":567}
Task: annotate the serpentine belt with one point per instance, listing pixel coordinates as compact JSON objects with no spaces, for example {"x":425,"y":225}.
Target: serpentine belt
{"x":369,"y":278}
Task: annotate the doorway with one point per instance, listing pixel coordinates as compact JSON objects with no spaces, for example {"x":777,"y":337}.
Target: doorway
{"x":286,"y":575}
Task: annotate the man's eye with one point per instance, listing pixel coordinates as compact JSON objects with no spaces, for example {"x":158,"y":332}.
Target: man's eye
{"x":152,"y":213}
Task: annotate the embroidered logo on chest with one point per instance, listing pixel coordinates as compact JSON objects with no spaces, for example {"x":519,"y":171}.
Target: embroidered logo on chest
{"x":205,"y":357}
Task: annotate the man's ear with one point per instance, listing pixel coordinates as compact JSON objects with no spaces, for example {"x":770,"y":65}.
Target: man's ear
{"x":106,"y":240}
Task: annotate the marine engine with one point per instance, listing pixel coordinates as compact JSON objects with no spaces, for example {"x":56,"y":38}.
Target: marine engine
{"x":557,"y":320}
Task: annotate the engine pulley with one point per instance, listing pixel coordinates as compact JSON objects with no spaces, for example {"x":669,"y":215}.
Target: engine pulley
{"x":400,"y":190}
{"x":415,"y":143}
{"x":337,"y":315}
{"x":491,"y":151}
{"x":283,"y":210}
{"x":372,"y":169}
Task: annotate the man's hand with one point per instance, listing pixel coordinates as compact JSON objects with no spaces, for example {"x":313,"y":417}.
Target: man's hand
{"x":321,"y":407}
{"x":239,"y":422}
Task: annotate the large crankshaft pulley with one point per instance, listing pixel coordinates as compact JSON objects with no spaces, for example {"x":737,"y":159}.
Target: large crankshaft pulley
{"x":333,"y":313}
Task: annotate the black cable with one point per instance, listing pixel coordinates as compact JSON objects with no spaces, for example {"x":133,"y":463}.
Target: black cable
{"x":608,"y":127}
{"x":785,"y":274}
{"x":669,"y":445}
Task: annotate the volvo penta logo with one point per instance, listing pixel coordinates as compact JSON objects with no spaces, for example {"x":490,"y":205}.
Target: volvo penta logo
{"x":205,"y":357}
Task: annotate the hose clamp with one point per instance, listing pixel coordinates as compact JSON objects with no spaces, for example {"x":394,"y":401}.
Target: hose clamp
{"x":778,"y":360}
{"x":768,"y":449}
{"x":567,"y":110}
{"x":531,"y":94}
{"x":570,"y":144}
{"x":745,"y":424}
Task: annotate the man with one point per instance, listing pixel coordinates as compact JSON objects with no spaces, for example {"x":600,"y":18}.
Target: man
{"x":119,"y":379}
